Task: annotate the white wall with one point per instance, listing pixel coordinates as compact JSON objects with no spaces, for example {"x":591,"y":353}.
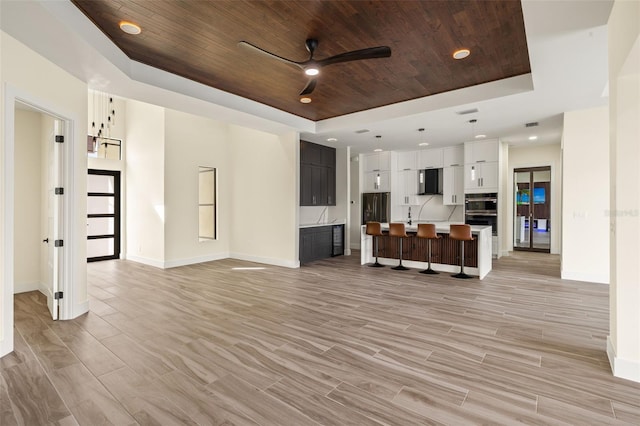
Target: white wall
{"x":192,"y":141}
{"x":145,"y":151}
{"x":536,"y":156}
{"x":623,"y":344}
{"x":585,"y":191}
{"x":26,"y":75}
{"x":28,"y":207}
{"x":264,"y":194}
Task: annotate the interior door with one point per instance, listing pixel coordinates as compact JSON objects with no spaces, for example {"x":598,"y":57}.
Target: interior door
{"x":532,"y":210}
{"x":53,"y":239}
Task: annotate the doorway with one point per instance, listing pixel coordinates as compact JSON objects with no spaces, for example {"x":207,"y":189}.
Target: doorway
{"x":103,"y":215}
{"x":532,"y":209}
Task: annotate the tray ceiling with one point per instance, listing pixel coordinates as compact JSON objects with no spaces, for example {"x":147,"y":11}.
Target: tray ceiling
{"x":198,"y":40}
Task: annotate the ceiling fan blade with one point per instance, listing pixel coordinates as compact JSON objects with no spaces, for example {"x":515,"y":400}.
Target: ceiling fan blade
{"x":269,"y":54}
{"x":356,"y":55}
{"x":309,"y":87}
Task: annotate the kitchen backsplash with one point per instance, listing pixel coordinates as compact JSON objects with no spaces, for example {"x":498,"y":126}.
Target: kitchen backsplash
{"x":319,"y":214}
{"x":430,"y":208}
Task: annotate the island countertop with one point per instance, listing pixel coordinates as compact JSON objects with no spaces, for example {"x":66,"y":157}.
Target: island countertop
{"x":441,"y":227}
{"x":482,"y":243}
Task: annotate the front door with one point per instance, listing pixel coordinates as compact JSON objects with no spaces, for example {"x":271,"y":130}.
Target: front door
{"x":103,"y":215}
{"x":532,"y":209}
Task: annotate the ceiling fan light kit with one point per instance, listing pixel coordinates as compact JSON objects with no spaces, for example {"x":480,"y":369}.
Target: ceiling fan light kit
{"x":311,"y":67}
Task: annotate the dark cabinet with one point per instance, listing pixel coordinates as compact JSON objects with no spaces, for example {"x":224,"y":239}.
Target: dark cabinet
{"x":317,"y":175}
{"x":321,"y":242}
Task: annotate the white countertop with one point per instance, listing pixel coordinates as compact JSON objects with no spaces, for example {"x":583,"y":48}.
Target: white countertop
{"x":311,"y":225}
{"x":442,"y":227}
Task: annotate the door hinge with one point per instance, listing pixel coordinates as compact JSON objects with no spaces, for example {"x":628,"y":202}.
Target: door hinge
{"x":59,"y":138}
{"x":59,"y":191}
{"x":58,"y":243}
{"x":58,"y":295}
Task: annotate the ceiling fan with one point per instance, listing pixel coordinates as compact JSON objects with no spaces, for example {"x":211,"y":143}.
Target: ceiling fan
{"x":312,"y":67}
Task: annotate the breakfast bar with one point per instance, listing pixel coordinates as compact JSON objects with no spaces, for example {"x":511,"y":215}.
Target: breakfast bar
{"x":445,"y":251}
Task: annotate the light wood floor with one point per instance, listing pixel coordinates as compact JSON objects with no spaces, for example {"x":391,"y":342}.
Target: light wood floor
{"x":333,"y":343}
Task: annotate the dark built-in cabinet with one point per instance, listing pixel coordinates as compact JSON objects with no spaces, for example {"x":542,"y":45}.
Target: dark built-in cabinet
{"x":317,"y":175}
{"x":321,"y":242}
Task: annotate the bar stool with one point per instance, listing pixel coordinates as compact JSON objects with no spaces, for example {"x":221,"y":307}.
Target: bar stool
{"x":461,"y":233}
{"x":375,"y":230}
{"x":397,"y":230}
{"x":428,"y":231}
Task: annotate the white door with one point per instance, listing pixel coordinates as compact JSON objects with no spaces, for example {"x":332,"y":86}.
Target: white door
{"x":55,"y":243}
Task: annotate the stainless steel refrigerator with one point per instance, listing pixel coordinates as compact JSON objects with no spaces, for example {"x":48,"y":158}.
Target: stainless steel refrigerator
{"x":376,"y":207}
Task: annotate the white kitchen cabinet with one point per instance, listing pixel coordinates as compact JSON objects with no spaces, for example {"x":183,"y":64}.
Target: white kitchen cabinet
{"x":407,"y":160}
{"x":430,"y":158}
{"x":481,"y":151}
{"x":453,"y":186}
{"x":407,"y":187}
{"x":376,"y":161}
{"x":453,"y":156}
{"x":377,"y":182}
{"x":481,"y":177}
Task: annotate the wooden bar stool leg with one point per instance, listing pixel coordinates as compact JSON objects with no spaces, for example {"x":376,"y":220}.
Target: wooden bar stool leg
{"x":429,"y":270}
{"x":461,"y":274}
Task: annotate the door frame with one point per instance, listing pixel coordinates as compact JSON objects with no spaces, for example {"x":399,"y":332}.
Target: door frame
{"x":68,"y":305}
{"x":530,"y":170}
{"x":117,"y":213}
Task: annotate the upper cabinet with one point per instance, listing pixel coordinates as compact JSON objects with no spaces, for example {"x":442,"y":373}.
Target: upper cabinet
{"x":407,"y":160}
{"x":481,"y":151}
{"x":376,"y":162}
{"x":430,"y":158}
{"x":481,"y":171}
{"x":453,"y":156}
{"x":317,"y":175}
{"x":319,"y":155}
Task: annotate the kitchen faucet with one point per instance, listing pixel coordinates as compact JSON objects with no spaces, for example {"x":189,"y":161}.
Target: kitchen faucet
{"x":409,"y":216}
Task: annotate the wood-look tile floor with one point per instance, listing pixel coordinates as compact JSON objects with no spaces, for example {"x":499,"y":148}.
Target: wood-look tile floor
{"x":333,"y":343}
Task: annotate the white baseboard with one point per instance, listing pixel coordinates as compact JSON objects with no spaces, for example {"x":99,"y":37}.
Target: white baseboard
{"x":145,"y":261}
{"x":347,"y":252}
{"x":582,"y":276}
{"x":193,"y":260}
{"x":355,"y":246}
{"x":25,"y":287}
{"x":266,"y":260}
{"x":623,"y":368}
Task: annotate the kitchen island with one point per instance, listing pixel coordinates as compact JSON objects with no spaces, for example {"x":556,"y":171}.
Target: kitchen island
{"x":444,"y":251}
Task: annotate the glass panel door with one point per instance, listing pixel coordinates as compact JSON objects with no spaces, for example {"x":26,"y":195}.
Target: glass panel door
{"x":103,"y":215}
{"x":532,"y":210}
{"x":522,"y":197}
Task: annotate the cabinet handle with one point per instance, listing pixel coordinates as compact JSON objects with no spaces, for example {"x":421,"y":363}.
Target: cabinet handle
{"x":481,"y":161}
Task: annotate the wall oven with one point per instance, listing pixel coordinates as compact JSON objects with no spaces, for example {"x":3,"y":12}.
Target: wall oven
{"x":482,"y":209}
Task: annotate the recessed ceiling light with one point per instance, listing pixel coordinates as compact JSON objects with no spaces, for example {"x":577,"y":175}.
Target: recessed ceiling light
{"x":332,"y":140}
{"x":423,"y":144}
{"x":377,"y":150}
{"x":305,"y":100}
{"x":130,"y":27}
{"x":480,"y":136}
{"x":461,"y":53}
{"x":312,"y":71}
{"x":533,"y":138}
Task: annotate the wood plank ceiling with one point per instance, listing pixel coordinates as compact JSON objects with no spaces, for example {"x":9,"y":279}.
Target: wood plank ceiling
{"x":199,"y":41}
